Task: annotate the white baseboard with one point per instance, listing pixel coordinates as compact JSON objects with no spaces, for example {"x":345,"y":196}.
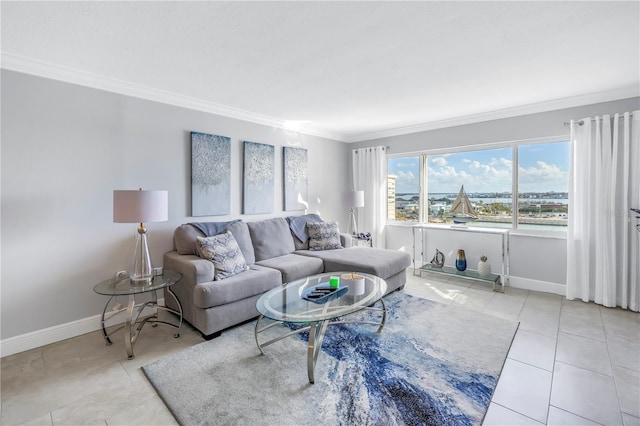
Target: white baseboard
{"x":36,"y":339}
{"x":537,"y":285}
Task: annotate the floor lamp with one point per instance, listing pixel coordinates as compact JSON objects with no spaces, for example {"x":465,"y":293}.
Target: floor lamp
{"x":352,"y":200}
{"x":131,"y":206}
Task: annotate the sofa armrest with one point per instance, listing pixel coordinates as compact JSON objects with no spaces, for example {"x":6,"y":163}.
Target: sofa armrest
{"x":193,"y":268}
{"x":346,"y":240}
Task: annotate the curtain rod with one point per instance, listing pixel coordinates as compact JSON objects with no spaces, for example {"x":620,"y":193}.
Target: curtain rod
{"x":581,"y":122}
{"x":387,"y":148}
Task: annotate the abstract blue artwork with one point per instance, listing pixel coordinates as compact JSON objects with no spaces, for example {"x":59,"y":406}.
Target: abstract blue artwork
{"x":258,"y":182}
{"x":210,"y":174}
{"x":295,"y":178}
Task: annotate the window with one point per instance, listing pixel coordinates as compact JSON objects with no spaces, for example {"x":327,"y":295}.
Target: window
{"x":426,"y":187}
{"x":543,"y":185}
{"x":486,"y":178}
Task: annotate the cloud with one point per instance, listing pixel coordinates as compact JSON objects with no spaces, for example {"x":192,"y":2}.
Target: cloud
{"x":407,"y":182}
{"x":439,"y":161}
{"x":542,"y":175}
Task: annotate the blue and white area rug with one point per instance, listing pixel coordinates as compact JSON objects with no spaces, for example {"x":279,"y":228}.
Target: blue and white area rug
{"x":432,"y":364}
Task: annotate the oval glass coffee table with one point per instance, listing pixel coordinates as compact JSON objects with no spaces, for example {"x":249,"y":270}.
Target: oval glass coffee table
{"x":286,"y":304}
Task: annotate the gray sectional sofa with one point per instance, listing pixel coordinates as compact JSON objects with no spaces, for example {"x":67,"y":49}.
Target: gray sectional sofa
{"x":274,"y":255}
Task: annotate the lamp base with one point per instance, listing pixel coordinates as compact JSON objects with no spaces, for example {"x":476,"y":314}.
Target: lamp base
{"x":353,"y":228}
{"x":140,"y":280}
{"x":141,"y":269}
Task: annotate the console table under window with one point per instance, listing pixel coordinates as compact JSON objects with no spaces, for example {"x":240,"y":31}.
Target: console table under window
{"x":474,"y":241}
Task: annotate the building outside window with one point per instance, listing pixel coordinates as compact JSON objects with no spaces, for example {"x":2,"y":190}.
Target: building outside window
{"x":491,"y":182}
{"x":403,"y":189}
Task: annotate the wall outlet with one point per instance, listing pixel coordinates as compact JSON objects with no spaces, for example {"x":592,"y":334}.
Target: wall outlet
{"x":157,"y":271}
{"x":120,"y":275}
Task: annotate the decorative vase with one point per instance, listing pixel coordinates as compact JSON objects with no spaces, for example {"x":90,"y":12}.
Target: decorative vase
{"x":461,"y":261}
{"x":355,"y":283}
{"x":484,"y":267}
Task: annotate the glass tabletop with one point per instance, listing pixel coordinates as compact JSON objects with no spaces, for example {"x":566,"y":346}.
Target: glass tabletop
{"x":285,"y":303}
{"x":117,"y":286}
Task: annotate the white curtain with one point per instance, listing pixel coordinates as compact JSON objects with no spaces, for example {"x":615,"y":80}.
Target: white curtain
{"x":370,"y":176}
{"x":603,"y":245}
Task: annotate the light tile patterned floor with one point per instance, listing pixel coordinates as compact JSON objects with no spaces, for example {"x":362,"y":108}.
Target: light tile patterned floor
{"x":571,"y":363}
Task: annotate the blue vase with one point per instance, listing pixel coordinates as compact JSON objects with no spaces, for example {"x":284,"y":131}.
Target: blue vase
{"x":461,"y":261}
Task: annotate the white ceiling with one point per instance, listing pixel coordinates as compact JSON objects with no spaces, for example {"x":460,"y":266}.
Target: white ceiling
{"x":345,"y":70}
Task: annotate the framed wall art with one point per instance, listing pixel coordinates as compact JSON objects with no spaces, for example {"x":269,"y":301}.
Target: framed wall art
{"x":210,"y":174}
{"x":295,"y":178}
{"x":258,"y":178}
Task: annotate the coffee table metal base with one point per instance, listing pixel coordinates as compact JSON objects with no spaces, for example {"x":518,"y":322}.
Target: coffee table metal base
{"x":317,"y":330}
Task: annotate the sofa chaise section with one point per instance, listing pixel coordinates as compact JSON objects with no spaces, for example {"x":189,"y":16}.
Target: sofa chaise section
{"x":389,"y":265}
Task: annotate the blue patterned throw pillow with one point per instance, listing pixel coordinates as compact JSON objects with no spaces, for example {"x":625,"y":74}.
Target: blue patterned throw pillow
{"x":224,"y":252}
{"x":323,"y":235}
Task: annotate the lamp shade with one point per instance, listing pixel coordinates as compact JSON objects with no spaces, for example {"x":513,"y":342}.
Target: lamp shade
{"x":138,"y":206}
{"x":353,"y":199}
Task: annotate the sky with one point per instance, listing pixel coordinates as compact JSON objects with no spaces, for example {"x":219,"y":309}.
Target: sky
{"x":543,"y":168}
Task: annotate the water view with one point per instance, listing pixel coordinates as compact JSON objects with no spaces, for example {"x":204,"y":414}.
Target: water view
{"x":543,"y":210}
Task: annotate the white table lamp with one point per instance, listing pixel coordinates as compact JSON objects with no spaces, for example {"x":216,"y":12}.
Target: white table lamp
{"x":131,"y":206}
{"x":352,"y":200}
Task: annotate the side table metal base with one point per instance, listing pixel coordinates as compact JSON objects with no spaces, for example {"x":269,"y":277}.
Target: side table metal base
{"x":133,"y":323}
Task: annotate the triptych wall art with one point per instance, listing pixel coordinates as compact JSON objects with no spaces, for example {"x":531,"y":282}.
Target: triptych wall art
{"x":258,"y":182}
{"x":295,"y":178}
{"x":211,"y":176}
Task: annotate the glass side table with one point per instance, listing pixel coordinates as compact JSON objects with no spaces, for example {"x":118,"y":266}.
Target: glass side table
{"x":133,"y":323}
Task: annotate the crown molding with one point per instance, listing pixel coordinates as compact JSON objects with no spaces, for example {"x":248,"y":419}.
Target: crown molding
{"x":47,"y":70}
{"x":571,"y":102}
{"x":68,"y":75}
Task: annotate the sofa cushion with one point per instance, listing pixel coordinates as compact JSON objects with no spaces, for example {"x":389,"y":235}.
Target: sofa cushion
{"x":240,"y":232}
{"x":184,"y":239}
{"x":323,"y":235}
{"x":271,"y":238}
{"x":292,"y":266}
{"x":254,"y":281}
{"x":380,"y":262}
{"x":224,"y":252}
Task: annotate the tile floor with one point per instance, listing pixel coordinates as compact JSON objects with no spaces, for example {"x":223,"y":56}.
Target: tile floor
{"x":571,"y":363}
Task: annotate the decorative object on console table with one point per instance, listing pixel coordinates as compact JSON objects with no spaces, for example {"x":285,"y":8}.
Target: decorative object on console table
{"x":438,"y":259}
{"x":352,"y":200}
{"x":484,"y":267}
{"x":131,"y":206}
{"x":461,"y":261}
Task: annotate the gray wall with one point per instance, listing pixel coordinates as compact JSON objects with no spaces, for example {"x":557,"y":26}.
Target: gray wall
{"x":532,"y":257}
{"x":65,"y":148}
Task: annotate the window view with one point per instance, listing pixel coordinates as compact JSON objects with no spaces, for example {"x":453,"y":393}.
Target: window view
{"x":403,"y":189}
{"x":476,"y":187}
{"x":471,"y":186}
{"x":543,"y":185}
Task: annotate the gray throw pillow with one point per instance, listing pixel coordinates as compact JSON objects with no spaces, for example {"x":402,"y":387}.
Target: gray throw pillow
{"x":323,"y":235}
{"x":224,"y":252}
